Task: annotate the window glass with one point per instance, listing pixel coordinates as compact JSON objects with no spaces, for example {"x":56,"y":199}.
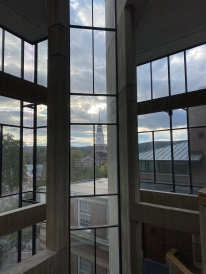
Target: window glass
{"x":42,"y":63}
{"x":179,"y":118}
{"x":196,"y":68}
{"x":148,"y":122}
{"x":143,"y":83}
{"x":160,"y":78}
{"x":81,"y":68}
{"x":0,"y":49}
{"x":177,"y":73}
{"x":28,"y":62}
{"x":12,"y":54}
{"x":41,"y":115}
{"x":10,"y":111}
{"x":81,"y":12}
{"x":26,"y":243}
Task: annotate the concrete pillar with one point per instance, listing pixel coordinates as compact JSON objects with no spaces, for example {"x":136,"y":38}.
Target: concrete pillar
{"x":57,"y":214}
{"x":202,"y":214}
{"x":129,"y":182}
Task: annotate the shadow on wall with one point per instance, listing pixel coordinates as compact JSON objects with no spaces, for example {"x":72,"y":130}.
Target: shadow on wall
{"x":151,"y":267}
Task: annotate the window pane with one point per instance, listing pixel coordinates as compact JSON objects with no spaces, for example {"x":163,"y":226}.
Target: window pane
{"x":100,"y":62}
{"x":41,"y":115}
{"x":82,"y":160}
{"x":40,"y":237}
{"x":9,"y":203}
{"x":0,"y":49}
{"x":143,"y":83}
{"x":94,"y":211}
{"x":148,"y":122}
{"x":107,"y":250}
{"x":27,"y":182}
{"x":81,"y":12}
{"x":179,"y":118}
{"x":41,"y":159}
{"x":10,"y":111}
{"x":42,"y":63}
{"x":181,"y":158}
{"x":28,"y":62}
{"x":196,"y":68}
{"x":160,"y":78}
{"x":12,"y":54}
{"x":82,"y":251}
{"x":163,"y":163}
{"x":10,"y":160}
{"x":99,"y":13}
{"x":146,"y":157}
{"x":28,"y":117}
{"x":105,"y":159}
{"x":177,"y":73}
{"x":26,"y":243}
{"x":8,"y":251}
{"x":81,"y":73}
{"x":87,"y":109}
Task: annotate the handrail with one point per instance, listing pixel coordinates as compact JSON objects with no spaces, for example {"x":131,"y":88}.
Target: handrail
{"x":172,"y":259}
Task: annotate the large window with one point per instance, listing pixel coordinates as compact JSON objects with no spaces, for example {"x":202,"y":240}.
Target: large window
{"x":23,"y":59}
{"x":93,"y":136}
{"x":172,"y":141}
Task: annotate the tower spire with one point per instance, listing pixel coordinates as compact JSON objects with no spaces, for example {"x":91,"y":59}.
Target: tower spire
{"x":99,"y":116}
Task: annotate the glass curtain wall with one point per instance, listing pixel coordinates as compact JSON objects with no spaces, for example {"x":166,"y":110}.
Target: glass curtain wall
{"x":94,"y":187}
{"x":171,"y":143}
{"x":22,"y":148}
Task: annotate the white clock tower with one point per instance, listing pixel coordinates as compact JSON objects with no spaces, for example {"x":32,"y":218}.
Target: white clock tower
{"x":100,"y":145}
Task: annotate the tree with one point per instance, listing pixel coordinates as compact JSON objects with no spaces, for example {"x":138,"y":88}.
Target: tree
{"x":11,"y":161}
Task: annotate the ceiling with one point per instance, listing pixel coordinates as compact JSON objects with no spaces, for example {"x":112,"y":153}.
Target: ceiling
{"x":168,"y":26}
{"x":25,"y":18}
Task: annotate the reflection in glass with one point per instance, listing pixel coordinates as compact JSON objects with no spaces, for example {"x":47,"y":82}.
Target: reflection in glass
{"x":41,"y":159}
{"x":94,"y":211}
{"x":0,"y":49}
{"x":9,"y":251}
{"x":10,"y":111}
{"x":160,"y":78}
{"x":107,"y":245}
{"x":143,"y":83}
{"x":42,"y":63}
{"x":27,"y":180}
{"x":147,"y":122}
{"x":177,"y":73}
{"x":179,"y":118}
{"x":100,"y":62}
{"x":81,"y":12}
{"x":26,"y":243}
{"x":196,"y":68}
{"x":12,"y":54}
{"x":82,"y":160}
{"x":81,"y":73}
{"x":146,"y":157}
{"x":88,"y":109}
{"x":28,"y":62}
{"x":82,"y":251}
{"x":41,"y":115}
{"x":10,"y":161}
{"x":163,"y":163}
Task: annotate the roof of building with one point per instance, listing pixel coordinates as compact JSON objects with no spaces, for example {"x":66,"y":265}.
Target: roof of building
{"x":180,"y":152}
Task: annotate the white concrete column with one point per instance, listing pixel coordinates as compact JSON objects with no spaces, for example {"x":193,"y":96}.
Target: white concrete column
{"x":129,"y":182}
{"x":57,"y":214}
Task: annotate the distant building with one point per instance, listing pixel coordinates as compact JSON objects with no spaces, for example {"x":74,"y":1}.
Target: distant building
{"x":100,"y":152}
